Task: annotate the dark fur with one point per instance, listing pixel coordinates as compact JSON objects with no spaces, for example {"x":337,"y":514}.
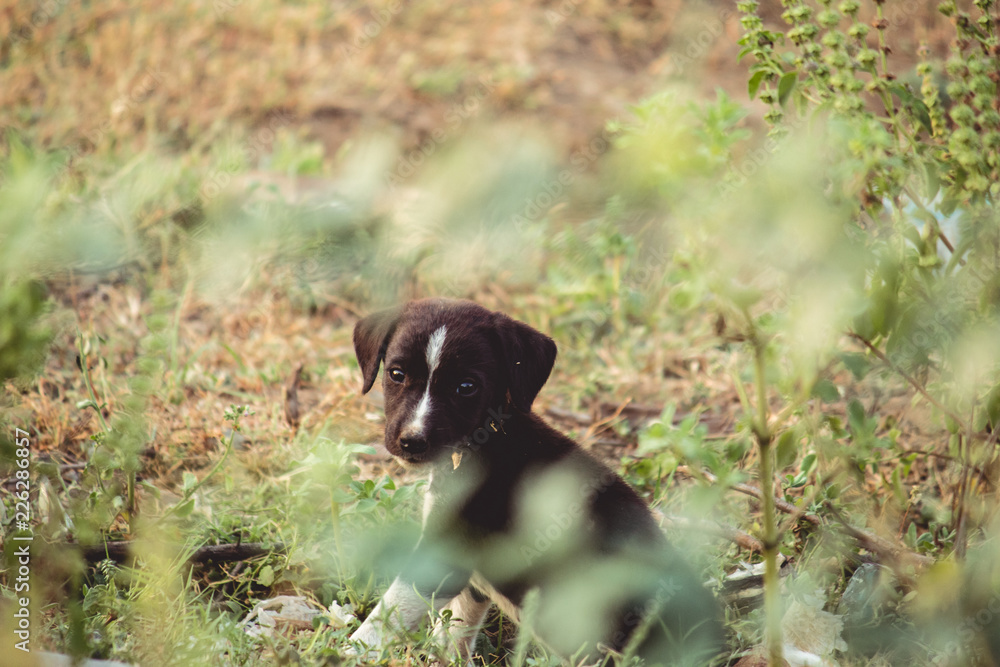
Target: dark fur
{"x":505,"y":449}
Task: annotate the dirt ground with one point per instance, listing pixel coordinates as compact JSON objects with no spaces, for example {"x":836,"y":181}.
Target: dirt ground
{"x":112,"y":75}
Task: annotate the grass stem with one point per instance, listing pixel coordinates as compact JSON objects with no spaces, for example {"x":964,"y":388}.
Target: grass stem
{"x":765,"y":438}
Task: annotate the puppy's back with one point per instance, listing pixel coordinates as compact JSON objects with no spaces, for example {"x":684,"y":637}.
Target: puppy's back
{"x":636,"y":576}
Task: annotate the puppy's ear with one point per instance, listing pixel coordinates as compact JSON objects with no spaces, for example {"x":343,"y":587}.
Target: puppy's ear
{"x":528,"y":356}
{"x":371,"y":338}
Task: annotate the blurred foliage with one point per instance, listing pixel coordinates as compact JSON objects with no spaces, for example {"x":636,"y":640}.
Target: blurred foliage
{"x":23,"y":338}
{"x":845,"y":260}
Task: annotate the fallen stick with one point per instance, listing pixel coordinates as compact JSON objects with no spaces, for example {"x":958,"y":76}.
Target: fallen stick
{"x":880,"y":545}
{"x":210,"y":553}
{"x":884,"y":548}
{"x":735,"y":535}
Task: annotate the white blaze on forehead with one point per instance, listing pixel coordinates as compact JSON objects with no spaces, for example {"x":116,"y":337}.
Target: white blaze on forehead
{"x":434,"y":346}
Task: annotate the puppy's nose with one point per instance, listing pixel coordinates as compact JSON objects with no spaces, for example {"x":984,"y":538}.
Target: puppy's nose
{"x":413,"y":444}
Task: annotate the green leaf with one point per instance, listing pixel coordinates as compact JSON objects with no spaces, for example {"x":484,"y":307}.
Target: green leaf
{"x":856,"y":416}
{"x":185,"y":508}
{"x":341,"y":496}
{"x":366,"y":505}
{"x":922,"y":113}
{"x":266,"y":576}
{"x":914,"y":103}
{"x":644,"y":468}
{"x":825,"y":391}
{"x":787,"y":449}
{"x":932,"y":180}
{"x":884,"y":306}
{"x":858,"y":364}
{"x":929,"y":261}
{"x":863,"y":325}
{"x":785,"y":86}
{"x":151,"y":489}
{"x":993,"y":406}
{"x":361,"y":449}
{"x":403,"y":494}
{"x":753,"y":85}
{"x":808,"y":463}
{"x":897,"y":487}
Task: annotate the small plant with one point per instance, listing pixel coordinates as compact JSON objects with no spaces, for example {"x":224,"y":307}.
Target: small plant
{"x":183,"y":507}
{"x":919,"y":163}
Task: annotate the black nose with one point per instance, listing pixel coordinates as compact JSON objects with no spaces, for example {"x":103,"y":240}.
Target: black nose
{"x":413,"y":445}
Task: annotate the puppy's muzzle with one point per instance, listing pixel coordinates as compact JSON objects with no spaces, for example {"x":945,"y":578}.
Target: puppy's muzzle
{"x":413,"y":444}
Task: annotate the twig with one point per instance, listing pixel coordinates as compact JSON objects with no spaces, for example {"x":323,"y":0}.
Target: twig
{"x":909,"y":378}
{"x":563,"y":413}
{"x":746,"y":489}
{"x":765,"y":446}
{"x":292,"y":408}
{"x":596,"y":426}
{"x":868,"y":541}
{"x":85,"y":369}
{"x":879,"y":545}
{"x":735,"y":535}
{"x":931,"y":218}
{"x":210,"y":553}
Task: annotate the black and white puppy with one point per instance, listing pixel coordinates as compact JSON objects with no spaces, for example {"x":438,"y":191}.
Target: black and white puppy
{"x":515,"y":512}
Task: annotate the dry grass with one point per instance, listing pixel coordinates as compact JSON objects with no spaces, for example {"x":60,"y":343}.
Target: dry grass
{"x":114,"y":74}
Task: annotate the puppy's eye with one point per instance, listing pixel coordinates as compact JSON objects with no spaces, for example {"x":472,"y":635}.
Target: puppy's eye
{"x":467,"y":388}
{"x":396,"y":375}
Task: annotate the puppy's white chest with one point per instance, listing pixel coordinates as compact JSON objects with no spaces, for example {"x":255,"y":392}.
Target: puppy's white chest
{"x":428,"y":499}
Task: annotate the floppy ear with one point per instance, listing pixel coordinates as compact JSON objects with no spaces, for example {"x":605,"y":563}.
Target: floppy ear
{"x":371,"y":338}
{"x":528,"y":356}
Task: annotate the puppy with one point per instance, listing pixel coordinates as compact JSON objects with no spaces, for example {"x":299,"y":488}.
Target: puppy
{"x":516,"y":513}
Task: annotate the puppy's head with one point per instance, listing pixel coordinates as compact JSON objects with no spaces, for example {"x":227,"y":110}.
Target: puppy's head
{"x":450,"y":367}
